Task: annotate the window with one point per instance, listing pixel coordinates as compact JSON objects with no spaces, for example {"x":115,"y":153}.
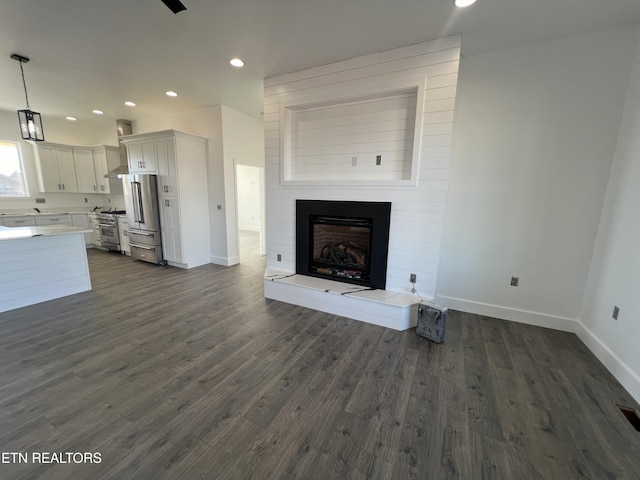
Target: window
{"x":12,"y":183}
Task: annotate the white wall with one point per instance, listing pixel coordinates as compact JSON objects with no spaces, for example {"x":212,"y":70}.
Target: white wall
{"x":99,"y":131}
{"x":614,"y":278}
{"x":536,"y":128}
{"x":417,"y":214}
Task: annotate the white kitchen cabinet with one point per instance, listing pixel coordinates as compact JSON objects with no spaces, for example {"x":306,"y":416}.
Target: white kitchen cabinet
{"x":123,"y":232}
{"x":85,"y":170}
{"x":72,"y":169}
{"x":141,"y":156}
{"x":171,"y":229}
{"x":56,"y":168}
{"x":95,"y":229}
{"x":81,"y":220}
{"x":92,"y":163}
{"x":44,"y":220}
{"x":167,"y":166}
{"x":106,"y":159}
{"x":180,"y":162}
{"x":19,"y":221}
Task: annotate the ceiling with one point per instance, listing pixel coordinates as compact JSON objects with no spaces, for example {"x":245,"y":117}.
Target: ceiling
{"x":96,"y":54}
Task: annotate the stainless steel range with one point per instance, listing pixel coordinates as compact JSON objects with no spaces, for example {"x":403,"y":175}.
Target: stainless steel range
{"x":108,"y":227}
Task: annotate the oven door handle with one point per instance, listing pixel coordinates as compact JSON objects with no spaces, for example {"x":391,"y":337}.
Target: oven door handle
{"x":106,"y":225}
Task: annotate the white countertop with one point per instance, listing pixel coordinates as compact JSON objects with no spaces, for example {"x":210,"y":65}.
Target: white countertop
{"x":36,"y":214}
{"x":16,"y":233}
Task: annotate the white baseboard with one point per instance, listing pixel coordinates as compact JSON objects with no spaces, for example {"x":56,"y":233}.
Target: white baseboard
{"x":225,"y":261}
{"x":538,"y":319}
{"x":619,"y":369}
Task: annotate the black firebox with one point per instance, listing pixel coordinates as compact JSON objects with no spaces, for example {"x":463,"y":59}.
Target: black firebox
{"x":343,"y":241}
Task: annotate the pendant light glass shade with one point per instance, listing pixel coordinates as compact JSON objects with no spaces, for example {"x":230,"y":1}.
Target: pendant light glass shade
{"x":30,"y":125}
{"x":30,"y":121}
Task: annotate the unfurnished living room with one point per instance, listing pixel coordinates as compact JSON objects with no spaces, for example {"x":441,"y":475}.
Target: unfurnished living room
{"x":354,"y":166}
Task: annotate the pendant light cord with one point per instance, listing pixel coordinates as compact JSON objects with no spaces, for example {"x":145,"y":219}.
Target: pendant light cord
{"x":24,"y":84}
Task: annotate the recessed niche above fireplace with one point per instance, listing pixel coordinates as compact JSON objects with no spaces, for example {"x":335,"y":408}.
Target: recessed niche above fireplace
{"x":368,"y":139}
{"x":343,"y":241}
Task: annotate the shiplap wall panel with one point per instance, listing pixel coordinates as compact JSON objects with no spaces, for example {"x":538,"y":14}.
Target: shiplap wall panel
{"x":37,"y":269}
{"x":325,"y":140}
{"x":417,"y":215}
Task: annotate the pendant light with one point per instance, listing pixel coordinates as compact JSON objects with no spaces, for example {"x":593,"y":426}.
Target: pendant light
{"x":30,"y":121}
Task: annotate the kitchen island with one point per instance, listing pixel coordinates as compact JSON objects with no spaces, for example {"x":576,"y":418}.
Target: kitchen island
{"x":41,"y":263}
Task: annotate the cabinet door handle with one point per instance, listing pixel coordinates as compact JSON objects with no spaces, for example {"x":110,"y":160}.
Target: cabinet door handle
{"x":63,"y":186}
{"x":94,"y":188}
{"x":59,"y":186}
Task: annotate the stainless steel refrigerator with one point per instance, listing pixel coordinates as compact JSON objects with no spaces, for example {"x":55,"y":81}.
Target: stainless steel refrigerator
{"x":143,"y":219}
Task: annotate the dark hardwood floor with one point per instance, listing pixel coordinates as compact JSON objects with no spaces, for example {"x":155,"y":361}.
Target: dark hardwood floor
{"x":187,"y":374}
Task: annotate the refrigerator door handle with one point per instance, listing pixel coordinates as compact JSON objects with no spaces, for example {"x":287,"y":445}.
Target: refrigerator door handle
{"x":137,"y":201}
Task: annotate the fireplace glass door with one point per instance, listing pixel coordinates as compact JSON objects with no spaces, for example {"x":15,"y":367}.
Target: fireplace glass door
{"x":340,"y":247}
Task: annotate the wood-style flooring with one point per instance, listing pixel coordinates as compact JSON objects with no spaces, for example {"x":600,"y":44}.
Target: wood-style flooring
{"x":188,"y":374}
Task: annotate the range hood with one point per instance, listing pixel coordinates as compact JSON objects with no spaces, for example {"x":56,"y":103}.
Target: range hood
{"x":124,"y":128}
{"x":118,"y":172}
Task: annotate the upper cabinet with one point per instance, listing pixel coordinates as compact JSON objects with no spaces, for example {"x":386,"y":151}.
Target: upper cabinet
{"x":56,"y":168}
{"x":66,"y":168}
{"x":106,"y":159}
{"x":85,"y":170}
{"x":141,"y":156}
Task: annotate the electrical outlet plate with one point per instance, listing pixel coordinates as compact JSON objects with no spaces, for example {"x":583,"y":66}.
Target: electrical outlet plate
{"x":279,"y":257}
{"x":515,"y":281}
{"x":40,"y":200}
{"x":378,"y":159}
{"x":616,"y":312}
{"x":412,"y":278}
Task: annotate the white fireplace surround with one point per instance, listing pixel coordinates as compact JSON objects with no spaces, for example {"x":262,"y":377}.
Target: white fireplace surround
{"x":326,"y":144}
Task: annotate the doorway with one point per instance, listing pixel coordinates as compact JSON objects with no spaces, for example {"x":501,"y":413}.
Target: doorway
{"x":250,"y":211}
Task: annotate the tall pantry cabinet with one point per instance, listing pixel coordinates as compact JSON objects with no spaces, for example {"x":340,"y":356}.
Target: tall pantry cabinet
{"x":180,"y":162}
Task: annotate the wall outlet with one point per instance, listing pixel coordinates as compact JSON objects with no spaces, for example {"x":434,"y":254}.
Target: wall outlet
{"x":40,"y":200}
{"x":354,"y":161}
{"x":86,"y":200}
{"x":279,"y":257}
{"x":412,"y":278}
{"x":515,"y":281}
{"x":378,"y":159}
{"x":616,"y":312}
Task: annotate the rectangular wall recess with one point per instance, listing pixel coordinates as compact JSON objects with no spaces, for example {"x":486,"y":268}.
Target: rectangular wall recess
{"x":319,"y":140}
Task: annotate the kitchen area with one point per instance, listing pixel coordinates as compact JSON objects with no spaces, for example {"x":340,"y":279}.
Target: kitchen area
{"x":138,"y":199}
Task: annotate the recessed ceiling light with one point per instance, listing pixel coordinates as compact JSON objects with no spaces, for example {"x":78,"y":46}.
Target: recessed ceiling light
{"x":236,"y":62}
{"x":98,"y":112}
{"x":463,"y":3}
{"x":71,"y":119}
{"x":130,"y":104}
{"x":171,"y":93}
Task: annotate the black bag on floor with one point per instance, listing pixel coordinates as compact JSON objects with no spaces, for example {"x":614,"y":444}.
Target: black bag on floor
{"x":431,"y":322}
